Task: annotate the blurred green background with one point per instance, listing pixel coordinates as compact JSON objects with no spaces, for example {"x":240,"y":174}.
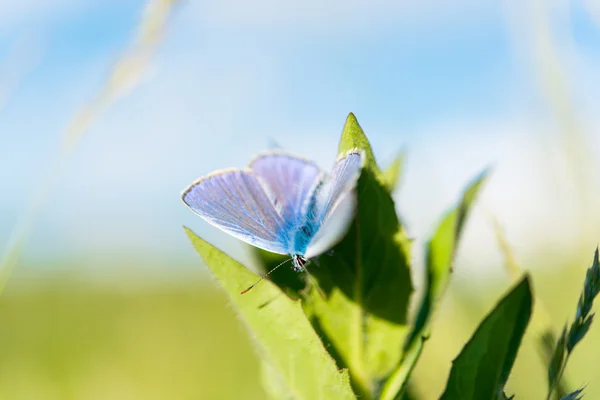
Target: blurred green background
{"x":109,"y":109}
{"x":68,"y":338}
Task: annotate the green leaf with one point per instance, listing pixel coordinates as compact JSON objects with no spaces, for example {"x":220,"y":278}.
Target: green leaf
{"x":282,"y":333}
{"x":440,"y":254}
{"x":541,"y":325}
{"x":367,"y":280}
{"x":482,"y":368}
{"x":363,"y":317}
{"x":576,"y":395}
{"x":273,"y":383}
{"x":393,"y":173}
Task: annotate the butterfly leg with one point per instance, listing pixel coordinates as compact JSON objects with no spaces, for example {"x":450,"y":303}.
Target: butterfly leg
{"x":310,"y":283}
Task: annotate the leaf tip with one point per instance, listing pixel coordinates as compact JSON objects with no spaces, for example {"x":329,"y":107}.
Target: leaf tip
{"x":393,"y":173}
{"x":190,"y":234}
{"x":484,"y":175}
{"x":351,"y":118}
{"x":526,"y":281}
{"x":353,"y":137}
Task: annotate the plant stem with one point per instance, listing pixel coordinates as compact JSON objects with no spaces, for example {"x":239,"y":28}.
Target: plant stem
{"x":558,"y":377}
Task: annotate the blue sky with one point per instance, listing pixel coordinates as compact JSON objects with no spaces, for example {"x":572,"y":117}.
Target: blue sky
{"x":457,"y":85}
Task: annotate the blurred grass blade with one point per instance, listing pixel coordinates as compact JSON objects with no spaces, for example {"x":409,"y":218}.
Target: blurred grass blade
{"x":440,"y":254}
{"x":482,"y":368}
{"x":127,"y":72}
{"x":554,"y":75}
{"x":510,"y":261}
{"x":393,"y":174}
{"x":123,"y":78}
{"x":282,"y":333}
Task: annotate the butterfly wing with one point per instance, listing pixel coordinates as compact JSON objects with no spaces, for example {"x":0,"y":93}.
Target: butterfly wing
{"x":237,"y":203}
{"x":290,"y":180}
{"x":336,"y":204}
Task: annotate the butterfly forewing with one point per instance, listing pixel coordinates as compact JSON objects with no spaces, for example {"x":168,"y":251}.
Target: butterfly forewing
{"x":236,"y":202}
{"x":343,"y":179}
{"x":290,"y":180}
{"x":336,"y":204}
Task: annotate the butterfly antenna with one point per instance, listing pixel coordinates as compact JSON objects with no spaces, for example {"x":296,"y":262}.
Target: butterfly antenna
{"x":264,"y":276}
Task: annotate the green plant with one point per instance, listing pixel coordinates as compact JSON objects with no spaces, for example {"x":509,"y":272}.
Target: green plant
{"x":352,"y":337}
{"x":577,"y":331}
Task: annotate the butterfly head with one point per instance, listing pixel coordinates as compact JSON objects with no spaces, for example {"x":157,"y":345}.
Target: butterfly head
{"x":299,"y":262}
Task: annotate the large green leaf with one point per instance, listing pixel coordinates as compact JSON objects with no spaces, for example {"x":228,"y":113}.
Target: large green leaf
{"x":367,"y":279}
{"x":482,"y":368}
{"x":285,"y":339}
{"x":273,"y":383}
{"x":362,"y":318}
{"x":440,"y":252}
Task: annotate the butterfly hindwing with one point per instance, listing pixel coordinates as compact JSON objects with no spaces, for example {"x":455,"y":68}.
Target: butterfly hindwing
{"x":237,"y":203}
{"x":290,"y":180}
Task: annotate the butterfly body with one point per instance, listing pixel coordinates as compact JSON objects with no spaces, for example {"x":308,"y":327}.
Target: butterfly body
{"x":282,"y":203}
{"x":304,"y":231}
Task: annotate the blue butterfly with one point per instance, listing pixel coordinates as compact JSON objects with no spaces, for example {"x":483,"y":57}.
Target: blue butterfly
{"x":281,"y":203}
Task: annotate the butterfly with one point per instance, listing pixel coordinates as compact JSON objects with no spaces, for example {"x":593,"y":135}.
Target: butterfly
{"x":281,"y":203}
